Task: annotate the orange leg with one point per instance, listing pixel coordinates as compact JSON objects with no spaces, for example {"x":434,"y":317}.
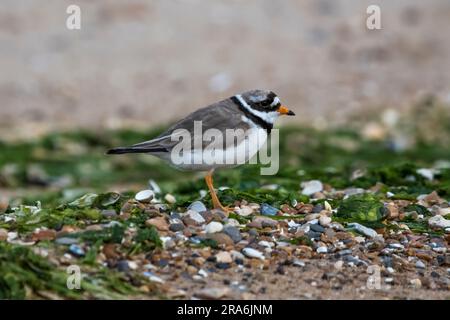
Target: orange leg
{"x":215,"y":199}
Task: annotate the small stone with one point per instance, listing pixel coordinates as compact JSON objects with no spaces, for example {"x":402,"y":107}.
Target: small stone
{"x":267,"y":210}
{"x":12,"y":236}
{"x":123,"y":266}
{"x":213,"y":293}
{"x":252,"y":253}
{"x":66,"y":241}
{"x":339,"y":264}
{"x":3,"y":234}
{"x":233,"y":233}
{"x":159,"y":223}
{"x":322,"y":250}
{"x":317,"y":228}
{"x":174,"y":227}
{"x":154,"y":186}
{"x":224,"y":257}
{"x":420,"y":264}
{"x":244,"y":211}
{"x":221,"y":238}
{"x":393,"y":211}
{"x":439,"y":222}
{"x":197,"y":206}
{"x":236,"y":255}
{"x":416,"y":283}
{"x":324,"y":221}
{"x":76,"y":250}
{"x":213,"y":227}
{"x":196,"y":217}
{"x":312,"y":216}
{"x":43,"y":235}
{"x":363,"y":230}
{"x":311,"y":187}
{"x":298,"y":263}
{"x":167,"y":242}
{"x":170,"y":198}
{"x":144,"y":196}
{"x":109,"y":213}
{"x":427,"y":173}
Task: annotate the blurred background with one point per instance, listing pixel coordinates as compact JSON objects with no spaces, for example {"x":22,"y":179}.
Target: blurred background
{"x":142,"y":63}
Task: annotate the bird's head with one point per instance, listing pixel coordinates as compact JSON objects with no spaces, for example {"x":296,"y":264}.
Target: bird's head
{"x":264,"y":104}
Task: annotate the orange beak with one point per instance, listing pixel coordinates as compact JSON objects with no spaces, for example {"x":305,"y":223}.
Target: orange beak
{"x":286,"y":111}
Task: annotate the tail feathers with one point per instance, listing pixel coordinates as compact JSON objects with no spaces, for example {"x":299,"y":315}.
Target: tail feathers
{"x":123,"y":150}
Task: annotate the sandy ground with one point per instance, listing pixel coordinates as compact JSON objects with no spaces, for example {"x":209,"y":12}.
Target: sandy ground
{"x":148,"y":62}
{"x":317,"y":280}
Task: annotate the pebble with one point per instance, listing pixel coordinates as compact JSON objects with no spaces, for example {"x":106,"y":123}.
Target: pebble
{"x":420,"y":264}
{"x":233,"y":233}
{"x":224,"y":257}
{"x":322,"y":250}
{"x":123,"y":266}
{"x":236,"y":255}
{"x":76,"y":250}
{"x":3,"y":234}
{"x":154,"y":186}
{"x":312,"y":216}
{"x":317,"y":228}
{"x":252,"y":253}
{"x":159,"y":223}
{"x":267,"y":210}
{"x":243,"y":211}
{"x":170,"y":198}
{"x":324,"y":221}
{"x":416,"y":283}
{"x":109,"y":213}
{"x":363,"y":230}
{"x":339,"y":264}
{"x":213,"y":227}
{"x":197,"y":206}
{"x":66,"y":241}
{"x":299,"y":263}
{"x":213,"y":293}
{"x":43,"y":235}
{"x":311,"y":187}
{"x":144,"y":196}
{"x":152,"y":277}
{"x":197,"y":217}
{"x":174,"y":227}
{"x":12,"y":236}
{"x":439,"y":222}
{"x":221,"y":238}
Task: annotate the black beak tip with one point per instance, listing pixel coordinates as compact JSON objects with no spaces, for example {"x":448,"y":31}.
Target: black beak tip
{"x":291,"y":113}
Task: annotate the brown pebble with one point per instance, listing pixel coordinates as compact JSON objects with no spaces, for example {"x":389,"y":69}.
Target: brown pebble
{"x":42,"y":235}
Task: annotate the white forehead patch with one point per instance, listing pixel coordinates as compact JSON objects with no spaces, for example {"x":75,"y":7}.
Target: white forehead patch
{"x":275,"y":102}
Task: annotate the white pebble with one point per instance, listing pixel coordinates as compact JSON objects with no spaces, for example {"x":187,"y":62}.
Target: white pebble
{"x":324,"y":221}
{"x":243,"y":211}
{"x":322,"y":250}
{"x":311,"y":187}
{"x":144,"y":195}
{"x":197,"y":217}
{"x":213,"y":227}
{"x":252,"y":253}
{"x":170,"y":198}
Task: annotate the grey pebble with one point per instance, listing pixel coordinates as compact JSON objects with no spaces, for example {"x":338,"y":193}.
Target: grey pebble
{"x":174,"y":227}
{"x":109,"y":213}
{"x":233,"y":233}
{"x":268,"y":210}
{"x":66,"y":241}
{"x":317,"y":228}
{"x":197,"y":206}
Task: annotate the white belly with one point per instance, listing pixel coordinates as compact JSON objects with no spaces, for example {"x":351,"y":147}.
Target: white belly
{"x":235,"y":155}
